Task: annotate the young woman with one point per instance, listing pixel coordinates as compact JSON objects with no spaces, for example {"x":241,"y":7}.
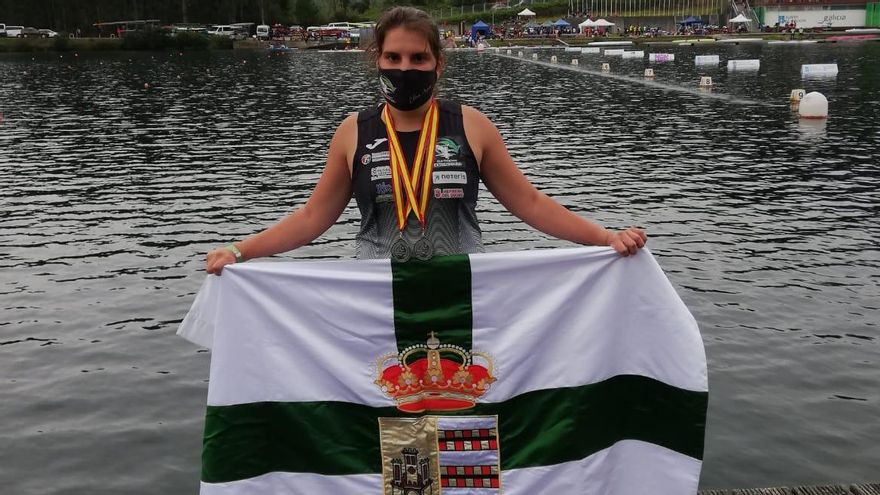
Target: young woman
{"x":414,"y":166}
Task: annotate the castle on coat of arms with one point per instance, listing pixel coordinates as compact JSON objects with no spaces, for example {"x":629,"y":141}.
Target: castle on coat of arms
{"x":411,"y":475}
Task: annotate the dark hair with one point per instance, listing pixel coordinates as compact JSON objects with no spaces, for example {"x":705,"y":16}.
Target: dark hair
{"x":409,"y":18}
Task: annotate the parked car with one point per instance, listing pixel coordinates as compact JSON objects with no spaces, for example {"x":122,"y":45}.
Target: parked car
{"x":29,"y":32}
{"x":263,"y":31}
{"x":2,"y":30}
{"x":13,"y":31}
{"x":47,"y":33}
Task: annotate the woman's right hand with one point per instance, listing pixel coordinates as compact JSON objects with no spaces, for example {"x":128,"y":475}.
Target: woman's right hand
{"x":217,"y":259}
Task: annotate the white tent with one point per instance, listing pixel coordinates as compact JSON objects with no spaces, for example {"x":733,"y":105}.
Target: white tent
{"x":586,"y":24}
{"x":527,"y":13}
{"x":603,"y":23}
{"x":738,"y":19}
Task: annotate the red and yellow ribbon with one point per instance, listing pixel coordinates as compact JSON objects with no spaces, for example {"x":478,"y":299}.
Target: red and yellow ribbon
{"x":416,"y":187}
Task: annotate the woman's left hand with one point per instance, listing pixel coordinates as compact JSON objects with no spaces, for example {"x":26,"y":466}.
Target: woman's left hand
{"x":627,"y":242}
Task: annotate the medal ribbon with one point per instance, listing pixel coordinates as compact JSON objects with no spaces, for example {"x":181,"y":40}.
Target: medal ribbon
{"x":418,"y":185}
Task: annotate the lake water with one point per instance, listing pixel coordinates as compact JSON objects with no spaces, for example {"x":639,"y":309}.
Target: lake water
{"x":111,"y":194}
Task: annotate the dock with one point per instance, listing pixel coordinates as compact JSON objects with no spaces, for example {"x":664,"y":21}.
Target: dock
{"x":854,"y":489}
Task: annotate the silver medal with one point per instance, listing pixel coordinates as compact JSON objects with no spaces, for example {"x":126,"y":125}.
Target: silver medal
{"x":400,"y":251}
{"x":423,"y":249}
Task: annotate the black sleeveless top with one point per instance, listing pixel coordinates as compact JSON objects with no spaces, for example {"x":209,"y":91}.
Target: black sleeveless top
{"x":451,"y":219}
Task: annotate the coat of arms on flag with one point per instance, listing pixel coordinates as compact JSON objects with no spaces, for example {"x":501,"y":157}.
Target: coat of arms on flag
{"x":451,"y":376}
{"x":440,"y":454}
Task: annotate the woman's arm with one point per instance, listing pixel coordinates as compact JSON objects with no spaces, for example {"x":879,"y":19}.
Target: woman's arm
{"x":323,"y":208}
{"x":514,"y":191}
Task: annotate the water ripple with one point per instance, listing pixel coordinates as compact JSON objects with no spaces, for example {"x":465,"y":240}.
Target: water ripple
{"x":112,"y":192}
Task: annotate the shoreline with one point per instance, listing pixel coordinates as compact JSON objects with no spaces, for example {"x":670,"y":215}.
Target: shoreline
{"x":51,"y":45}
{"x":744,"y":38}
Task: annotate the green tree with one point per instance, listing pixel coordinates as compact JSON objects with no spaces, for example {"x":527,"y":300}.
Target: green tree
{"x":306,"y":12}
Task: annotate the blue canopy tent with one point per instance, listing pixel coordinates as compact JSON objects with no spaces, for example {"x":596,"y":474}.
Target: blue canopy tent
{"x":480,"y":28}
{"x":561,"y":23}
{"x":692,"y":20}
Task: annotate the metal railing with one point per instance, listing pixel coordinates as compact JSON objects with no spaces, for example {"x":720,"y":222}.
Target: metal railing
{"x":749,"y":12}
{"x":600,"y":8}
{"x":477,"y":8}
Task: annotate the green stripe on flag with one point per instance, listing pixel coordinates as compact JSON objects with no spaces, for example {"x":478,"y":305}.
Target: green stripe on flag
{"x":433,"y":296}
{"x":539,"y":428}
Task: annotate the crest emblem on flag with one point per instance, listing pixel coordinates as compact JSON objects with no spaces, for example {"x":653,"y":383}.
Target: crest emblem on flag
{"x":434,"y":454}
{"x":434,"y":376}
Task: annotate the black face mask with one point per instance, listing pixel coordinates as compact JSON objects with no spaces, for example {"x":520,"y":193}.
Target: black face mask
{"x":407,"y":89}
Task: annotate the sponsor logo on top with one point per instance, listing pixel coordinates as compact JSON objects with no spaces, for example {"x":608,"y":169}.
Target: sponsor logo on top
{"x":448,"y":193}
{"x":381,"y":156}
{"x":380,"y":173}
{"x":450,"y":177}
{"x":377,"y":142}
{"x":446,"y":148}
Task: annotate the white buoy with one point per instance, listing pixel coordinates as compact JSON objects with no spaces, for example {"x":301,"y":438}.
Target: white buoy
{"x":819,"y":70}
{"x":706,"y":60}
{"x":745,"y":64}
{"x":661,"y":57}
{"x":574,"y":61}
{"x":814,"y":105}
{"x":633,"y":54}
{"x":553,"y":59}
{"x":796,"y":96}
{"x":509,"y":52}
{"x":649,"y":72}
{"x":606,"y":67}
{"x":534,"y":56}
{"x":519,"y":54}
{"x":705,"y":81}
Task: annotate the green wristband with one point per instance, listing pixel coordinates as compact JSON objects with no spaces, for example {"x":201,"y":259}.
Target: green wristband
{"x":238,"y":256}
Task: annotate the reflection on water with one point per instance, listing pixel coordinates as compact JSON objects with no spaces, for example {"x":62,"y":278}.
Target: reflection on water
{"x":812,"y":129}
{"x":112,"y":193}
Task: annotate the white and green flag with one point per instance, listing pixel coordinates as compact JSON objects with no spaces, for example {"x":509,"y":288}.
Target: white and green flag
{"x":563,"y":372}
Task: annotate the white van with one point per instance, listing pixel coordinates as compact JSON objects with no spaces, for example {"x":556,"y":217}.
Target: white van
{"x":227,"y":31}
{"x":263,"y":31}
{"x":14,"y":31}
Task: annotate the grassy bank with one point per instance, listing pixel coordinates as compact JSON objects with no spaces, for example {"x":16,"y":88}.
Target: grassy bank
{"x":9,"y":45}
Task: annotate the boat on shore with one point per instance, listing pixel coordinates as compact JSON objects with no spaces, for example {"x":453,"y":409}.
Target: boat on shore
{"x":279,"y":48}
{"x":737,"y":41}
{"x":693,"y":41}
{"x":856,"y":38}
{"x":792,"y":42}
{"x":610,"y":43}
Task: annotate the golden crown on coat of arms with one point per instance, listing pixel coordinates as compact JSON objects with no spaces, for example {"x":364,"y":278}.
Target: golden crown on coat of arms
{"x":434,"y":377}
